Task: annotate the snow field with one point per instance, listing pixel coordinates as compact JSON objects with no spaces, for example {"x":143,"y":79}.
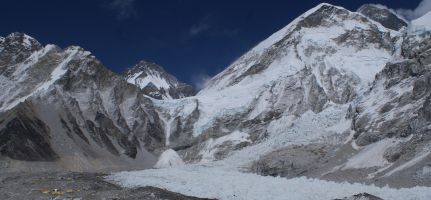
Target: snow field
{"x":210,"y":182}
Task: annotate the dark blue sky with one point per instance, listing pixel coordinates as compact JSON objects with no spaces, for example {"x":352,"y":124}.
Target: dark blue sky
{"x":190,"y":38}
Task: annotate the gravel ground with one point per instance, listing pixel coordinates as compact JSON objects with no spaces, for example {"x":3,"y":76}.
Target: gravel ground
{"x":75,"y":186}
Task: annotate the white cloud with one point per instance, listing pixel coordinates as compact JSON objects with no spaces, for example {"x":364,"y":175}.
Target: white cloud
{"x":201,"y":26}
{"x":124,"y":8}
{"x":423,"y":8}
{"x":196,"y":29}
{"x":200,"y":80}
{"x":208,"y":25}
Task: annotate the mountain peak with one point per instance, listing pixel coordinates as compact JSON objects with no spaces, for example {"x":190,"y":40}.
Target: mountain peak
{"x":320,"y":26}
{"x":383,"y":15}
{"x":16,"y":47}
{"x":322,"y":5}
{"x":23,"y":39}
{"x":147,"y":65}
{"x":156,"y":82}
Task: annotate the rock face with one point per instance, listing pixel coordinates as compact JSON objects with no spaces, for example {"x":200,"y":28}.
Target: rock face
{"x":397,"y":106}
{"x":383,"y":15}
{"x":156,"y":82}
{"x":292,"y":161}
{"x":25,"y":137}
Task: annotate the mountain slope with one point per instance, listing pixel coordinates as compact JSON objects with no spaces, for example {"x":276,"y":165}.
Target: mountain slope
{"x":292,"y":100}
{"x":156,"y":82}
{"x":76,"y":113}
{"x":422,"y":23}
{"x":310,"y":63}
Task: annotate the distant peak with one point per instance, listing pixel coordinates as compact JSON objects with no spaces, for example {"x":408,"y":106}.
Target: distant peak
{"x":143,"y":64}
{"x":145,"y":68}
{"x":156,"y":82}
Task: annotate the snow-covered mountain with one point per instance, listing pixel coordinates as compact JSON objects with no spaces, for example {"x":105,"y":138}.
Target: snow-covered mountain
{"x":309,"y":101}
{"x":335,"y":95}
{"x":64,"y":106}
{"x":328,"y":56}
{"x":156,"y":82}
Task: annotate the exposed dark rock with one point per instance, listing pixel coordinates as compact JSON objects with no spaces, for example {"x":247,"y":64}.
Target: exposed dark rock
{"x":322,"y":16}
{"x":383,"y":15}
{"x":25,"y":137}
{"x":368,"y":138}
{"x":412,"y":48}
{"x":316,"y":95}
{"x":426,"y":109}
{"x":394,"y":153}
{"x":362,"y":38}
{"x":291,"y":161}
